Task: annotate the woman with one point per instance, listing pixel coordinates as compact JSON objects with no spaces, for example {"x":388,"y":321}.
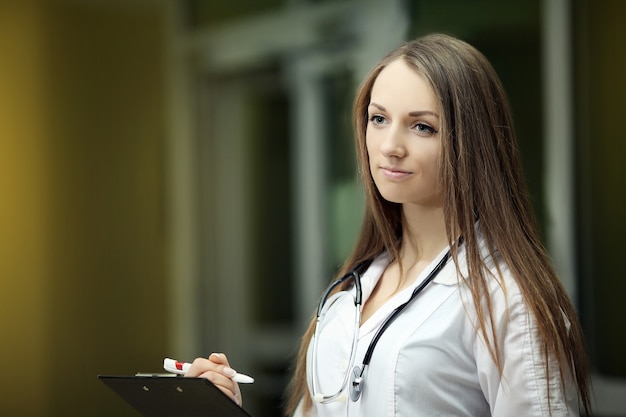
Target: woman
{"x":483,"y":326}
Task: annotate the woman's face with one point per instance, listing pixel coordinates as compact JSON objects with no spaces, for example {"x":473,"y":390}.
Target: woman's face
{"x":402,"y":137}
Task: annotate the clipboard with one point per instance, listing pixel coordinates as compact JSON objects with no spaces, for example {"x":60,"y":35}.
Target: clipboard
{"x":172,"y":396}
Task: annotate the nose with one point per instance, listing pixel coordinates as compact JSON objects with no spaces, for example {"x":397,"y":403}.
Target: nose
{"x":393,"y":143}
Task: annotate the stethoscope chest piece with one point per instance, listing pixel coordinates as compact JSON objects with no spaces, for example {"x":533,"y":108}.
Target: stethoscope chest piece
{"x":356,"y":386}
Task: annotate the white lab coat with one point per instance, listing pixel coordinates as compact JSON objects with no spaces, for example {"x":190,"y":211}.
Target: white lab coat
{"x":432,"y":361}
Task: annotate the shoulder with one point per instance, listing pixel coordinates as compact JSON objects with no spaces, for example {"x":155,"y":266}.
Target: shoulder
{"x":527,"y":378}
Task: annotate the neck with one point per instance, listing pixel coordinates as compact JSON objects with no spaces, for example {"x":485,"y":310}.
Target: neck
{"x":424,"y":234}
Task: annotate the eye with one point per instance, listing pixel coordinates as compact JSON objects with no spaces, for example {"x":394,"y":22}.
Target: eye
{"x":424,"y":129}
{"x":377,"y":119}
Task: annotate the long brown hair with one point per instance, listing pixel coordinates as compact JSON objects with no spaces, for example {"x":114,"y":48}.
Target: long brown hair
{"x":481,"y":178}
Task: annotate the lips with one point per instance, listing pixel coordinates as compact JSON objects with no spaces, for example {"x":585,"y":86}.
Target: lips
{"x":395,"y":173}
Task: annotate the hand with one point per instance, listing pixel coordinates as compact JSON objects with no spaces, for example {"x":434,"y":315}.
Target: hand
{"x":217,"y":370}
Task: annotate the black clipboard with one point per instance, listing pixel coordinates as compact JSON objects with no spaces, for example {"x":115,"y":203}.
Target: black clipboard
{"x":172,"y":396}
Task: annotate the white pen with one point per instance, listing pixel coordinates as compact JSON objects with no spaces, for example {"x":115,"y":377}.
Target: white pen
{"x":181,"y":368}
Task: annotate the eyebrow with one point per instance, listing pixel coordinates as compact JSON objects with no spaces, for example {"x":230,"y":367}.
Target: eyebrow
{"x":413,"y":113}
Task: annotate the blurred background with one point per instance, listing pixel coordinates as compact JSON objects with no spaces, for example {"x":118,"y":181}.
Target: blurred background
{"x":177,"y":177}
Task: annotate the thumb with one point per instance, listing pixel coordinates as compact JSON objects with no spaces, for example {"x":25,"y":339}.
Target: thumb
{"x":219,"y":358}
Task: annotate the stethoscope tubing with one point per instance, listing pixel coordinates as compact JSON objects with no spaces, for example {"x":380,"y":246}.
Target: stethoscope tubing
{"x":396,"y":312}
{"x":358,"y":372}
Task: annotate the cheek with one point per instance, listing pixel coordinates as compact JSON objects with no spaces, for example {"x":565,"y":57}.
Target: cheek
{"x":429,"y":164}
{"x":433,"y":167}
{"x":434,"y":174}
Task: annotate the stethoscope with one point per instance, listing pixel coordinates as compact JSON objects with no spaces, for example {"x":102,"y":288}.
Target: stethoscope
{"x":356,"y":376}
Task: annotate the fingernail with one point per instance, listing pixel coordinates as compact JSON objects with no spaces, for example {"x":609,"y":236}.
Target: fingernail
{"x":217,"y":355}
{"x":229,"y":372}
{"x":237,"y":399}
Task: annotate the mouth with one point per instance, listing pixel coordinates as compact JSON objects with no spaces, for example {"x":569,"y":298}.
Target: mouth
{"x":395,"y":173}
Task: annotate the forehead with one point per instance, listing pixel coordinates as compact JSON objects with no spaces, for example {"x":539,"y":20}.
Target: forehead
{"x":399,"y":85}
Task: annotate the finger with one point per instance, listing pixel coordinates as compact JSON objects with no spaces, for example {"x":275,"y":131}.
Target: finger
{"x":216,"y":363}
{"x":217,"y":370}
{"x":219,"y":358}
{"x":225,"y":384}
{"x":200,"y":366}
